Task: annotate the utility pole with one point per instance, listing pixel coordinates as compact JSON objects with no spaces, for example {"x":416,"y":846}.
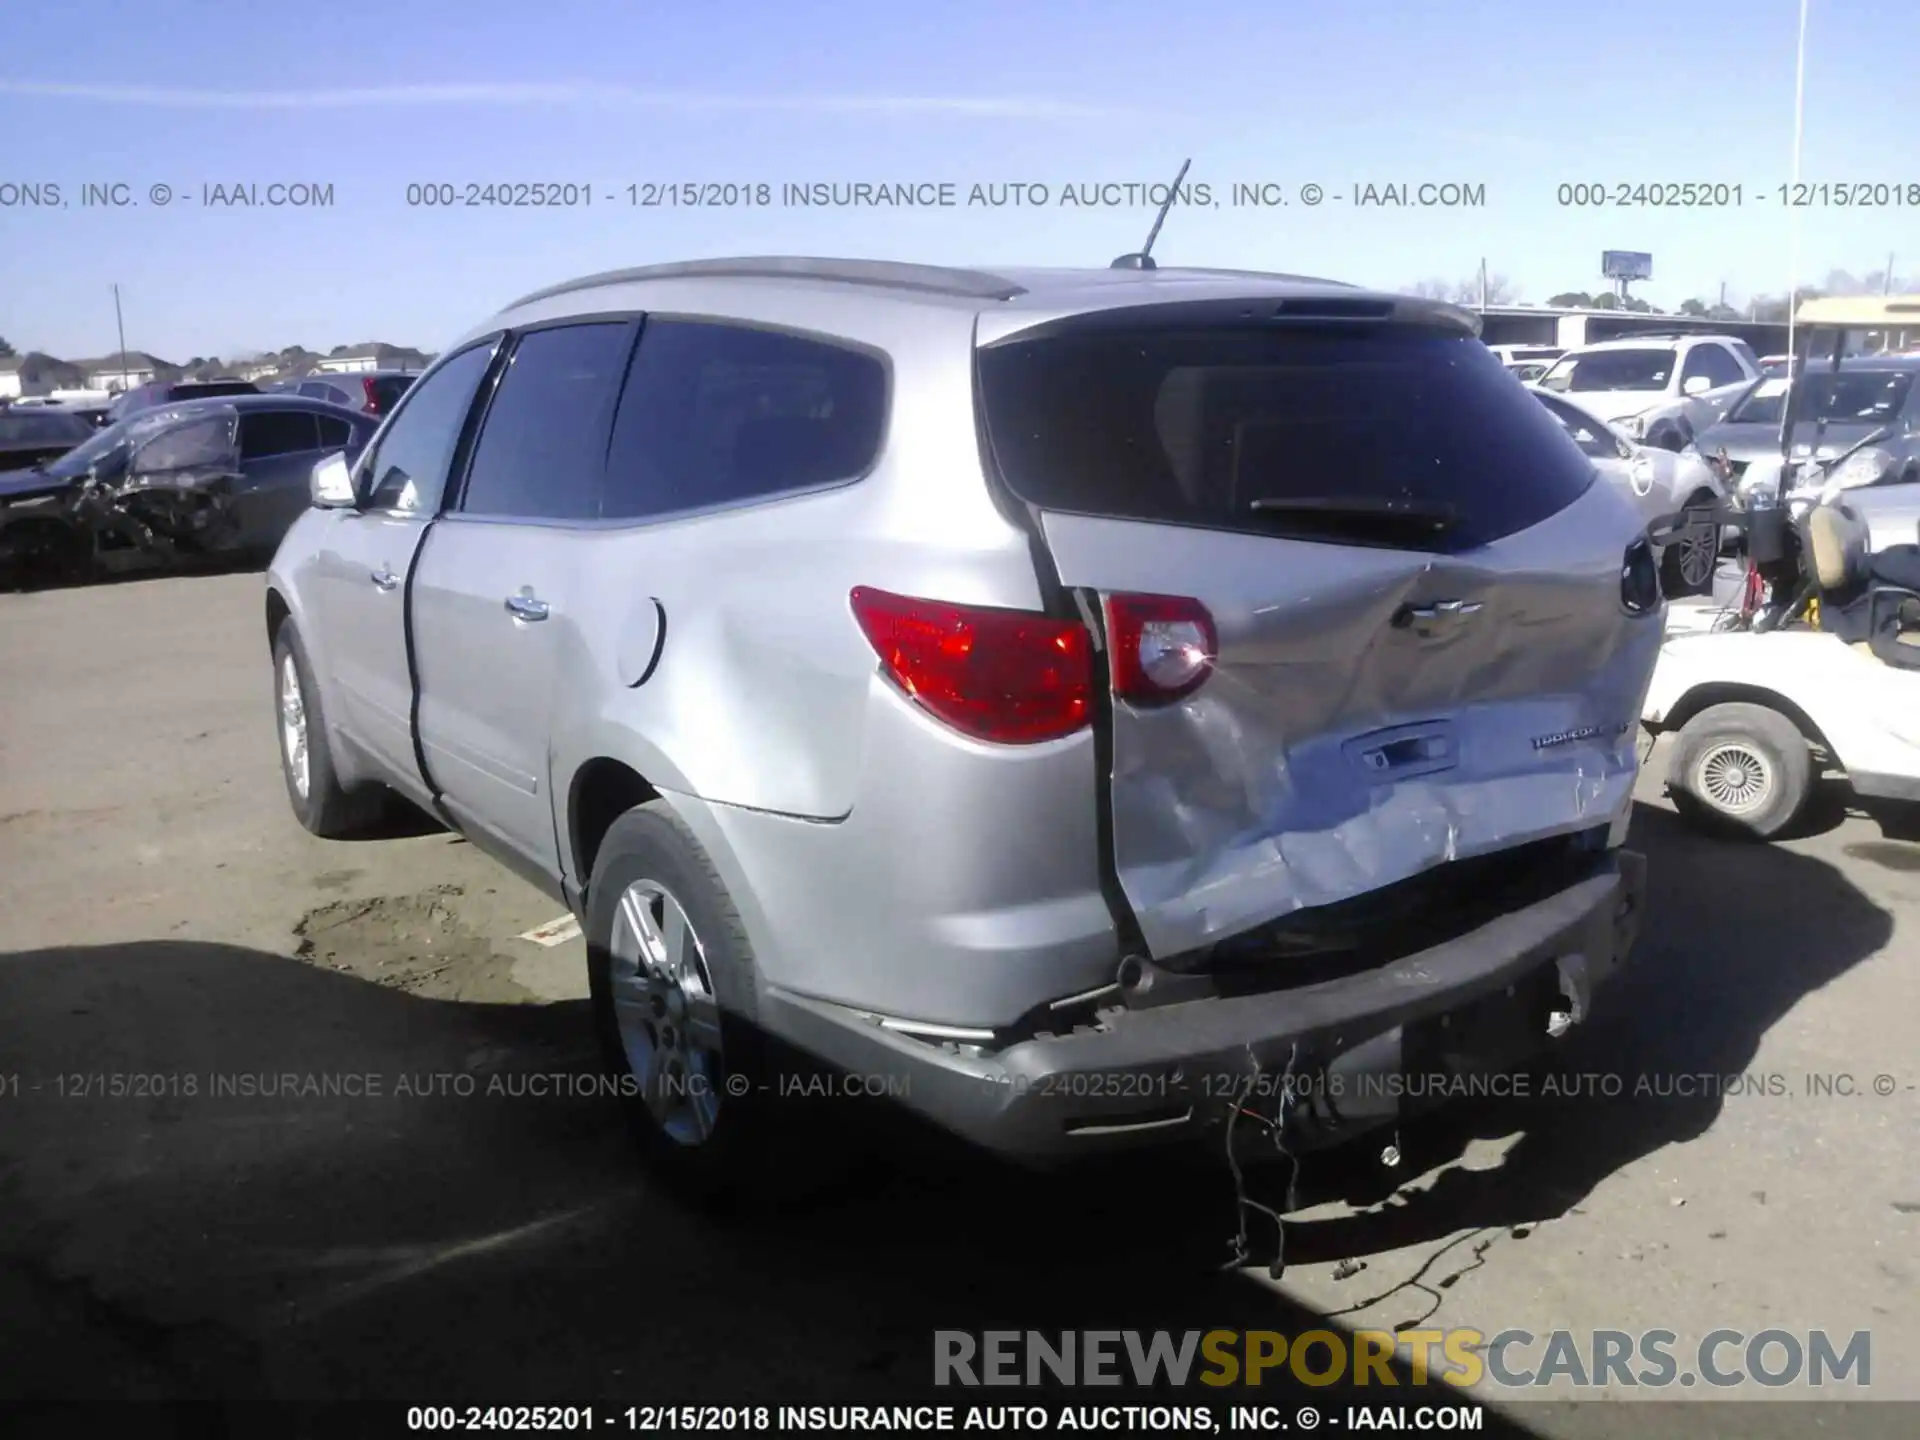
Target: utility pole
{"x":1483,"y":284}
{"x":1723,"y":296}
{"x":121,"y":327}
{"x":1886,"y":281}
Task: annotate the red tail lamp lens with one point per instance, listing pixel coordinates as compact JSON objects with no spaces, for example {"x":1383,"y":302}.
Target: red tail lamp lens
{"x":1163,"y":647}
{"x":1009,"y":676}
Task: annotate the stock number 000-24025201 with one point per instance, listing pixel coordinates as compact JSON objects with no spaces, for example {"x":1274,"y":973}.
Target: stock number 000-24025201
{"x":712,"y":1418}
{"x":541,"y":194}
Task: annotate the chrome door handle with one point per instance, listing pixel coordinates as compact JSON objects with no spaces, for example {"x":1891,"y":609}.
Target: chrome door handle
{"x":385,"y":579}
{"x":1430,"y":619}
{"x":525,"y":607}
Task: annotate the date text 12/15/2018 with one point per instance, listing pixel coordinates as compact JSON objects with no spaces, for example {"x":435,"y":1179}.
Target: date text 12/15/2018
{"x":1720,"y":195}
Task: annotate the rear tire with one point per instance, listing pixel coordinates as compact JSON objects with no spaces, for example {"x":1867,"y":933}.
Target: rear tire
{"x":1689,"y":563}
{"x":697,"y":1079}
{"x":319,"y":801}
{"x":1741,"y":770}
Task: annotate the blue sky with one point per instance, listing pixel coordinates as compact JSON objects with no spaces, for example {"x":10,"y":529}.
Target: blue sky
{"x":1516,"y":95}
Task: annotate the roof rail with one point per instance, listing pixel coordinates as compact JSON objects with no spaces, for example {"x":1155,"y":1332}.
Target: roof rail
{"x":882,"y":274}
{"x":1255,"y":275}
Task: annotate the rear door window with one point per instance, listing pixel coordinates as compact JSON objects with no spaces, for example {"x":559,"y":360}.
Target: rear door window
{"x":544,"y":440}
{"x":1338,"y":432}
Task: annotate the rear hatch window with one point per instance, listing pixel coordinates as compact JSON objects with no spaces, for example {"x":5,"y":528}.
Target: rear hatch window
{"x":1374,"y":435}
{"x":387,"y":390}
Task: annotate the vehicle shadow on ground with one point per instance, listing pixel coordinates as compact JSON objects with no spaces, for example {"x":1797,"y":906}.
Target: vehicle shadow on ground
{"x":228,"y":1173}
{"x":129,"y":568}
{"x":1734,"y":935}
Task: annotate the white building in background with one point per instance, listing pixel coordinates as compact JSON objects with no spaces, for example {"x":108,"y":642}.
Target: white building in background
{"x":125,"y":372}
{"x":35,"y":373}
{"x":371,"y":357}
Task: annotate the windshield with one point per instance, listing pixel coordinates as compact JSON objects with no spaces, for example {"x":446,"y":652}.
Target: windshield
{"x":1852,"y":397}
{"x":1647,"y":369}
{"x":1276,"y":432}
{"x":108,"y":446}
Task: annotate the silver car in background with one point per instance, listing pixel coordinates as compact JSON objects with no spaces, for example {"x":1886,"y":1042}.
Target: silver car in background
{"x":1100,"y":702}
{"x":1658,"y":482}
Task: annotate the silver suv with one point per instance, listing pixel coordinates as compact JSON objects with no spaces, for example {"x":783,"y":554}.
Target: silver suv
{"x":1100,"y":702}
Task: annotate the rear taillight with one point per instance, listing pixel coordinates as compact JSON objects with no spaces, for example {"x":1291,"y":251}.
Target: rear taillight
{"x":1005,"y":675}
{"x":373,"y":398}
{"x":1163,"y":647}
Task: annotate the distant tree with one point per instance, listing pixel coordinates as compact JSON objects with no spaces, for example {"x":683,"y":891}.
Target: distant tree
{"x":1431,"y":289}
{"x":1500,"y":291}
{"x":1694,"y":307}
{"x":6,"y":350}
{"x":1572,"y":300}
{"x":1604,"y":301}
{"x":1722,"y":312}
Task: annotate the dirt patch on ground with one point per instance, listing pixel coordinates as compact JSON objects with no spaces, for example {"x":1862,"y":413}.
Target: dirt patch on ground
{"x":415,"y":943}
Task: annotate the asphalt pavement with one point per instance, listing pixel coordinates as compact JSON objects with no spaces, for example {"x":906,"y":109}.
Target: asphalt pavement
{"x":267,"y":1128}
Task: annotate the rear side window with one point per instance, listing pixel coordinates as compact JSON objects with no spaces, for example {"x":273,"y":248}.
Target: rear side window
{"x":544,"y":439}
{"x":1327,"y":432}
{"x":716,"y":414}
{"x":335,"y":434}
{"x":276,"y":432}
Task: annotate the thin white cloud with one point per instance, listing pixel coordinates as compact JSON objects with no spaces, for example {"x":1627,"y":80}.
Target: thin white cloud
{"x":559,"y":93}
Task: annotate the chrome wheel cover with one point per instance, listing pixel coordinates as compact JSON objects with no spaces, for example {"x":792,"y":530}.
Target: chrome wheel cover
{"x":1734,"y":777}
{"x":293,"y":726}
{"x":664,"y":1006}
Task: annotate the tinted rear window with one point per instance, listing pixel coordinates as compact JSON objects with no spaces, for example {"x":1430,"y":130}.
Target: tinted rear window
{"x":203,"y":389}
{"x":1193,"y":426}
{"x":389,"y":388}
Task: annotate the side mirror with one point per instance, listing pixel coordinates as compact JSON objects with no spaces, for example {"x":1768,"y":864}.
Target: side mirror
{"x":332,"y":483}
{"x":1697,"y":385}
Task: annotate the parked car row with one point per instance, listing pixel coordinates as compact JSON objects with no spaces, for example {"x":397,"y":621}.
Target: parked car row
{"x":372,"y":392}
{"x":220,"y":475}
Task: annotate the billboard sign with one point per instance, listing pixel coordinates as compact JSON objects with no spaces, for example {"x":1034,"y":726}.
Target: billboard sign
{"x":1626,"y":264}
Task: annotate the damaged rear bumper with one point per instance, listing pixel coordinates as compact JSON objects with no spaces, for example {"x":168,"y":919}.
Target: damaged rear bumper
{"x":1340,"y":1057}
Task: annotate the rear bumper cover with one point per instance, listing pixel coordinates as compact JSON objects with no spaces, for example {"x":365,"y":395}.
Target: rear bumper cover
{"x":1475,"y":1003}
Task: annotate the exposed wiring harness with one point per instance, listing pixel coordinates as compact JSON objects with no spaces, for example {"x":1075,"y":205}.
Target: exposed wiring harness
{"x":1276,"y":1130}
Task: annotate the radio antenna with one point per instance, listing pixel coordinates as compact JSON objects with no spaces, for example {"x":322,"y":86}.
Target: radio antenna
{"x":1142,"y":259}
